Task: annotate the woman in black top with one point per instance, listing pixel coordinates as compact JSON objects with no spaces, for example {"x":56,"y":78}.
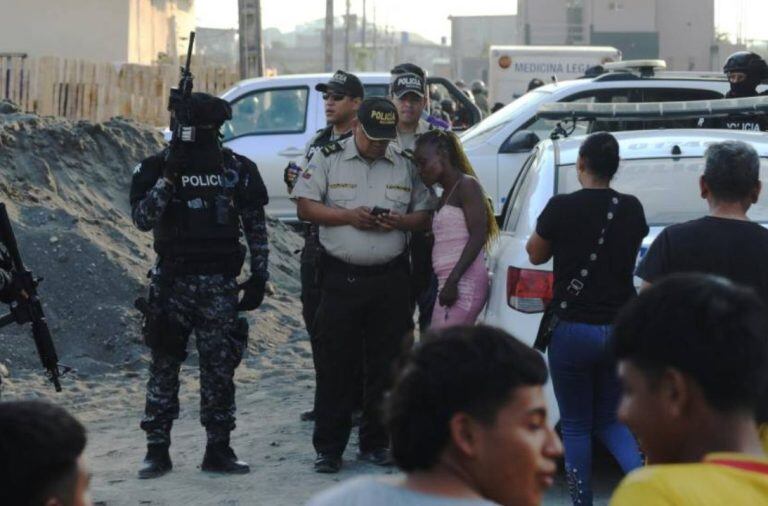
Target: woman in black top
{"x":583,"y":374}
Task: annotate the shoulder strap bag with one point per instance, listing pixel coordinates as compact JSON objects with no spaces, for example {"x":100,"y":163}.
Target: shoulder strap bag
{"x":550,"y":320}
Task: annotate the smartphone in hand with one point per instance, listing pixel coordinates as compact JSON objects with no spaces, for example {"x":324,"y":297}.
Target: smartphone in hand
{"x":378,"y":211}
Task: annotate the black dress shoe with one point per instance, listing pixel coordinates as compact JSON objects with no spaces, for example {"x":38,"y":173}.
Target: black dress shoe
{"x":379,"y":456}
{"x":308,"y":416}
{"x":156,"y":463}
{"x":327,"y":464}
{"x":220,"y":458}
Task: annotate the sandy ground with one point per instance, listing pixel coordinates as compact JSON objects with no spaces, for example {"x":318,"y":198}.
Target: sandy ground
{"x":65,"y":185}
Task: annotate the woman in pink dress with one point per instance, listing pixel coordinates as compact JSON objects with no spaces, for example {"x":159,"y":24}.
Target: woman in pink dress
{"x":463,"y":225}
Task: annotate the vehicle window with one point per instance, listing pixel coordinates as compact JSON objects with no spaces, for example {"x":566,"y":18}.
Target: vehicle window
{"x":543,"y":127}
{"x":668,"y":189}
{"x":376,"y":90}
{"x":678,"y":94}
{"x":661,"y":95}
{"x":271,"y":111}
{"x":505,"y":115}
{"x":520,"y":192}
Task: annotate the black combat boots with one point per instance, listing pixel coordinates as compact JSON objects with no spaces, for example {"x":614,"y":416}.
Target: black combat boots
{"x":220,"y":458}
{"x":156,"y":463}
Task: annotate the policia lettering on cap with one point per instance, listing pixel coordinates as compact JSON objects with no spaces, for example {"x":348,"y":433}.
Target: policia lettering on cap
{"x":342,"y":96}
{"x":198,"y":198}
{"x":364,"y":194}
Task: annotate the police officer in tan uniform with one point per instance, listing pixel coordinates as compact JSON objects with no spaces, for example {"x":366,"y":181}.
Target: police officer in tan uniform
{"x":365,"y":195}
{"x":342,"y":95}
{"x":408,"y":88}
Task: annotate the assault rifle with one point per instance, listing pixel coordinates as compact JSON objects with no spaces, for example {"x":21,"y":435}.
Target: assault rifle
{"x":179,"y":102}
{"x":26,"y":306}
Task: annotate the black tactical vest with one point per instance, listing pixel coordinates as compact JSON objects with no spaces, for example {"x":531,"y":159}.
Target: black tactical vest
{"x":201,"y":223}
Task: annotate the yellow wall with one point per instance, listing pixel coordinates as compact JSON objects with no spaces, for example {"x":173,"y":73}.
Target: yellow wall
{"x":117,"y":31}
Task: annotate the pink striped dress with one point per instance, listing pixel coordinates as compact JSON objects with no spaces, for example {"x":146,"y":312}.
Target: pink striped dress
{"x":451,"y":236}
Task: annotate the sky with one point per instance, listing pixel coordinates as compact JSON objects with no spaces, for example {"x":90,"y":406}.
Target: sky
{"x":429,"y":18}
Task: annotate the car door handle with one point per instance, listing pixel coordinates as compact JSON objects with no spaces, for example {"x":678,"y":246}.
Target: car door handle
{"x":291,"y":152}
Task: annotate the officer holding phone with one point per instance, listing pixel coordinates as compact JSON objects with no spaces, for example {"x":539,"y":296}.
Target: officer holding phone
{"x":364,"y":194}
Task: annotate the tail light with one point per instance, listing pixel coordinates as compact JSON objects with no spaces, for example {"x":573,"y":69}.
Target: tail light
{"x":528,"y":290}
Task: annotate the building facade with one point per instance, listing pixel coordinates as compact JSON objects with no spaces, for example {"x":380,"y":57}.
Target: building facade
{"x":472,"y":36}
{"x":682,"y":32}
{"x":119,"y":31}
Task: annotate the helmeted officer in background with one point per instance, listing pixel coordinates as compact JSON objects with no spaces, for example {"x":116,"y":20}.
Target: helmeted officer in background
{"x":342,"y":96}
{"x":480,"y":93}
{"x":198,"y":198}
{"x":745,"y":70}
{"x":365,"y":194}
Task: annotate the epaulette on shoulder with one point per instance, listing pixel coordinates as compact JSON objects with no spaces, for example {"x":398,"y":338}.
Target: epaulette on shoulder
{"x":331,"y":148}
{"x":408,"y":153}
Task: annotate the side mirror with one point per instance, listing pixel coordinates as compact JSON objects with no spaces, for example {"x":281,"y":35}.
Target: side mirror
{"x":521,"y":141}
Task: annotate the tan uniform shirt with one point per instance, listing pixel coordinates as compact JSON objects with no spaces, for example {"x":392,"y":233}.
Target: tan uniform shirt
{"x":344,"y":179}
{"x":408,"y":140}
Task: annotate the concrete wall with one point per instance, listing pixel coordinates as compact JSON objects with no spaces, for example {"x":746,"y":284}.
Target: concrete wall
{"x":159,"y":28}
{"x":471,"y":36}
{"x":686,"y":33}
{"x":679,"y":31}
{"x":95,"y":30}
{"x":135,"y":31}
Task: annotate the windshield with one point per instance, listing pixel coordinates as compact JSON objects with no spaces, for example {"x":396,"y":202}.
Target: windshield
{"x":668,"y":189}
{"x":495,"y":121}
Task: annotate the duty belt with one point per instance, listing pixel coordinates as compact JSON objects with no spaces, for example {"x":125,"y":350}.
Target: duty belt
{"x":332,"y":264}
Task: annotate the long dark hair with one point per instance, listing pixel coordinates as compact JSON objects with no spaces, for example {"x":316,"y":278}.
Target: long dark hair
{"x":449,"y":144}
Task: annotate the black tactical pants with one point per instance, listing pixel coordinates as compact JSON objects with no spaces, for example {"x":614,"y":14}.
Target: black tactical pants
{"x":362,"y":319}
{"x":206,"y":304}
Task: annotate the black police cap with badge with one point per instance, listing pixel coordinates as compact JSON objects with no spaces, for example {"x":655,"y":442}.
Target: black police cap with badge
{"x":378,"y":117}
{"x":408,"y":83}
{"x":343,"y":83}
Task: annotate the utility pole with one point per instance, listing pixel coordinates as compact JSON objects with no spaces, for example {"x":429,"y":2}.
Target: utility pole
{"x":362,"y":35}
{"x":346,"y":37}
{"x":251,"y":41}
{"x":329,"y":35}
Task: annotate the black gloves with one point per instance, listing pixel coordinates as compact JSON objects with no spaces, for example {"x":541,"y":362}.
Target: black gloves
{"x":175,"y":161}
{"x":253,"y":293}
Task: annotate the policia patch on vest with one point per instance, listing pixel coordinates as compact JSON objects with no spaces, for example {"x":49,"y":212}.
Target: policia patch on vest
{"x":329,"y":149}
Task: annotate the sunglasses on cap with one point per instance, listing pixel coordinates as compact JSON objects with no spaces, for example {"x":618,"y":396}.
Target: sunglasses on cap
{"x":336,"y":97}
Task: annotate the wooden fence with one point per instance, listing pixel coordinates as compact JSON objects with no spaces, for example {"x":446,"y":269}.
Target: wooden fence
{"x":78,"y":89}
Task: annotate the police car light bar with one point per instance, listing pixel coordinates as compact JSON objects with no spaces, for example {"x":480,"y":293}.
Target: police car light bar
{"x":658,"y":110}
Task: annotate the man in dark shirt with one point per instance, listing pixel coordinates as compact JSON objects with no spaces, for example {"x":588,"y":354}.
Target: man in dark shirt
{"x":725,"y":242}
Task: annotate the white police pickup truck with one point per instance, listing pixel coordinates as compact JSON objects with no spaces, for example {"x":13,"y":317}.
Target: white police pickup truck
{"x":273,"y":118}
{"x":498,"y":146}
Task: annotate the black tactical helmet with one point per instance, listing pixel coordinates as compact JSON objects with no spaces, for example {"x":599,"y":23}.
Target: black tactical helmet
{"x":207,"y":110}
{"x":747,"y":62}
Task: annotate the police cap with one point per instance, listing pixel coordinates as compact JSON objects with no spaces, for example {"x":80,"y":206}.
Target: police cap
{"x":378,"y":117}
{"x":408,"y":83}
{"x":344,"y":83}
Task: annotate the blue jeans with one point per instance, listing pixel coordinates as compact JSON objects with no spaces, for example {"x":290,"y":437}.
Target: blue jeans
{"x":588,"y":391}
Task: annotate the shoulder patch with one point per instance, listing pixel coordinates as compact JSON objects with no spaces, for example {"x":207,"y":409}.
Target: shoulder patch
{"x":408,"y":153}
{"x":330,"y":148}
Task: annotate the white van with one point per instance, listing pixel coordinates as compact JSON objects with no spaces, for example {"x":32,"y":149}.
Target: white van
{"x":513,"y":67}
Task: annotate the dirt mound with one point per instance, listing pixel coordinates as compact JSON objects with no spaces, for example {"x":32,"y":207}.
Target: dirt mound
{"x":66,"y":188}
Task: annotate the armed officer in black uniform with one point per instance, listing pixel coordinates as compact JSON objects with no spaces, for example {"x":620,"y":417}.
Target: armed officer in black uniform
{"x":745,"y":70}
{"x":198,"y":198}
{"x":342,"y":96}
